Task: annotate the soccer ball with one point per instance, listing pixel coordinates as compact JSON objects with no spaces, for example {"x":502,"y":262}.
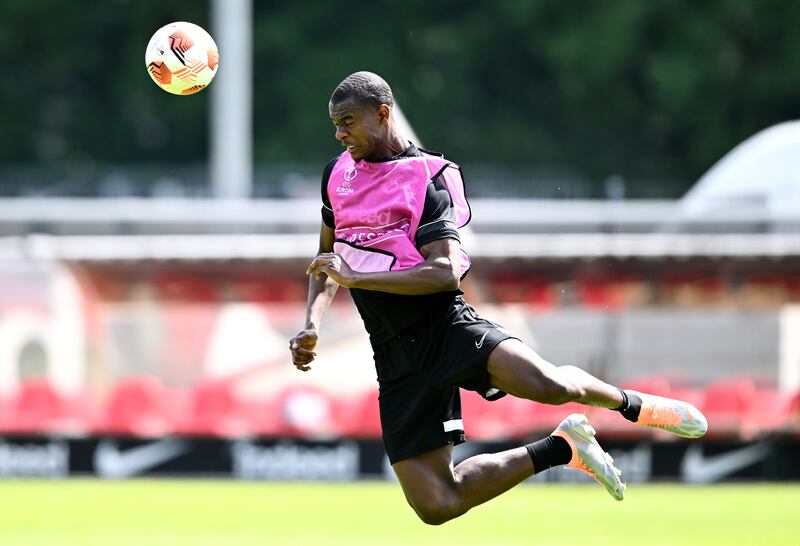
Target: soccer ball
{"x":181,"y":58}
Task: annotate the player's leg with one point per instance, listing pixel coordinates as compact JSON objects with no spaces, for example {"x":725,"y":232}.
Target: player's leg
{"x":438,"y":492}
{"x":515,"y":368}
{"x":520,"y":371}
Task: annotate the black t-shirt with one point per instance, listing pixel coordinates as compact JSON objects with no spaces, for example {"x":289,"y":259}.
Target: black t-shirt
{"x":386,"y":314}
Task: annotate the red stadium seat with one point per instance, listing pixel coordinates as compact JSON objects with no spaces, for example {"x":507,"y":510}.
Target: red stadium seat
{"x":511,"y":417}
{"x":607,"y":291}
{"x":216,"y":409}
{"x":793,"y":288}
{"x":726,"y":403}
{"x":598,"y":294}
{"x":484,"y":420}
{"x":767,"y":412}
{"x":541,"y":293}
{"x":39,"y":407}
{"x":530,"y":289}
{"x":137,"y":406}
{"x":186,"y":287}
{"x":358,"y":416}
{"x":265,"y":418}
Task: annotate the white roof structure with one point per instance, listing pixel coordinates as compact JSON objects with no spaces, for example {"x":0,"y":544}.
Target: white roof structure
{"x":761,"y":173}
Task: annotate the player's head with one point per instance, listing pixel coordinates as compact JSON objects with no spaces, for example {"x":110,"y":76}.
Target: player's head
{"x":361,"y":109}
{"x":365,"y":88}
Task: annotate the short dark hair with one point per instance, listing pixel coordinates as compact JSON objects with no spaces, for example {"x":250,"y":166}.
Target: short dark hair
{"x":365,"y":88}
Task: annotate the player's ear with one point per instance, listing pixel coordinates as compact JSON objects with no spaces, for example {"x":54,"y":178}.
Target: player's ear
{"x":384,"y":112}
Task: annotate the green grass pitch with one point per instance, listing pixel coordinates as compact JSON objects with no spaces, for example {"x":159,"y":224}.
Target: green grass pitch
{"x":229,"y":513}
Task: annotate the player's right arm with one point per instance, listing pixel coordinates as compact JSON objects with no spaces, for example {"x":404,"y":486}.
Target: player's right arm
{"x":320,"y":294}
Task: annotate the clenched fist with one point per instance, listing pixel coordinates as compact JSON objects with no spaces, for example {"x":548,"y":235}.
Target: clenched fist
{"x":302,"y":348}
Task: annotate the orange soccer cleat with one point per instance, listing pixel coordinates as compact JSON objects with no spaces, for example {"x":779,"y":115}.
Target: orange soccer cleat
{"x":588,"y":456}
{"x":675,"y":416}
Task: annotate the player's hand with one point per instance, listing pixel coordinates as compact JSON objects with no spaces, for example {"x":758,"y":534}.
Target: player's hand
{"x":302,"y":348}
{"x":334,"y":266}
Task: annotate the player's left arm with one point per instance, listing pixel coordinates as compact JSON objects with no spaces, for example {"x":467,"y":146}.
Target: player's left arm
{"x":440,"y":272}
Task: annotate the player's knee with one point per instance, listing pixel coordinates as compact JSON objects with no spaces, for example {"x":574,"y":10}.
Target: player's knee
{"x":435,"y":515}
{"x":436,"y":511}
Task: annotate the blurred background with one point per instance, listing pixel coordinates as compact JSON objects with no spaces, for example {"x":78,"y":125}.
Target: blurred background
{"x":634,"y":175}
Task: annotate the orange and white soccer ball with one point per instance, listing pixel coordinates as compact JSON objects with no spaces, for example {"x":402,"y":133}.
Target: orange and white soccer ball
{"x":181,"y":58}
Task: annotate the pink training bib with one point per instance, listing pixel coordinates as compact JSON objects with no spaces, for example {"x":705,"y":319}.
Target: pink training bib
{"x":378,"y":206}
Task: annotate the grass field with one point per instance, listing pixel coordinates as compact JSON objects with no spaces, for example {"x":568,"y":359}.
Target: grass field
{"x":221,"y":513}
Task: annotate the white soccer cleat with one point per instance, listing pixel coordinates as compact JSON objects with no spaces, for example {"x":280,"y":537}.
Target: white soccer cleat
{"x":588,"y":456}
{"x":675,"y":416}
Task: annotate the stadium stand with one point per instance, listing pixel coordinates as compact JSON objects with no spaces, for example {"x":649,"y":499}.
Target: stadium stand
{"x":185,"y":287}
{"x":726,"y":402}
{"x":357,"y":416}
{"x":39,"y":407}
{"x":767,"y":412}
{"x":215,"y":409}
{"x":658,"y":304}
{"x":534,"y":290}
{"x":307,"y":412}
{"x":138,"y":406}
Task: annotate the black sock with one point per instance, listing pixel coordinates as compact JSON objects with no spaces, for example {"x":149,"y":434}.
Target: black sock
{"x":549,"y":452}
{"x":631,"y":406}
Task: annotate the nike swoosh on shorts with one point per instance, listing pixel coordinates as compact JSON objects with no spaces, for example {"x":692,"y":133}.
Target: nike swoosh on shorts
{"x":479,"y":343}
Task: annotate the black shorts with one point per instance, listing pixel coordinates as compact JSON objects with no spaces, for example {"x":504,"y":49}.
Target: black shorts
{"x":420,"y":372}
